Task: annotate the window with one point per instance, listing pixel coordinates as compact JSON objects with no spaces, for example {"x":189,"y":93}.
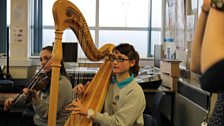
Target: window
{"x":156,"y":13}
{"x":87,"y":7}
{"x":156,"y":39}
{"x":137,"y":38}
{"x":8,"y":11}
{"x":124,"y":13}
{"x":128,"y":20}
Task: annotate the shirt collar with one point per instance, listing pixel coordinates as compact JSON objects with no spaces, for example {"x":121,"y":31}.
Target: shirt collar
{"x":124,"y":82}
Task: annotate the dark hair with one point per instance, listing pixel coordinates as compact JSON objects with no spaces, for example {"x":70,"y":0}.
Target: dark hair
{"x":130,"y":52}
{"x":62,"y":69}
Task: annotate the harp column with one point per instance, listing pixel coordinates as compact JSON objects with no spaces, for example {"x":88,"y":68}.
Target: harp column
{"x":56,"y":64}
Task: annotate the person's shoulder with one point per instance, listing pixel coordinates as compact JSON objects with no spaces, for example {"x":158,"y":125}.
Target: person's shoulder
{"x":135,"y":84}
{"x":64,"y":80}
{"x":62,"y":77}
{"x":135,"y":87}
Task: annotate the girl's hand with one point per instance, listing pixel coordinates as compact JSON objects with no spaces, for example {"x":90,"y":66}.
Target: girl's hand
{"x":77,"y":108}
{"x":8,"y":103}
{"x":27,"y":92}
{"x":206,"y":5}
{"x":206,"y":2}
{"x":79,"y":90}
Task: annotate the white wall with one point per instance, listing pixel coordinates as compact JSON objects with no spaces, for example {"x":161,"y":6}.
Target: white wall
{"x":19,"y":59}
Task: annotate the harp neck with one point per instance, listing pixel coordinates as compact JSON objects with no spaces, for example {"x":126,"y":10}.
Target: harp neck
{"x":67,"y":15}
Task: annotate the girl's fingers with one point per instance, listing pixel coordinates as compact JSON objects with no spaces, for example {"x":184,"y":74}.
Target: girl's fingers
{"x":7,"y":103}
{"x":26,"y":91}
{"x":76,"y":109}
{"x":71,"y":104}
{"x":88,"y":82}
{"x":69,"y":109}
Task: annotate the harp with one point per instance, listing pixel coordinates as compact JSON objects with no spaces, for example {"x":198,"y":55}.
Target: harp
{"x":67,"y":15}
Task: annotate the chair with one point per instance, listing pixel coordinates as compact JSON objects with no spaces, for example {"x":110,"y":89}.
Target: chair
{"x":156,"y":105}
{"x":148,"y":120}
{"x":154,"y":119}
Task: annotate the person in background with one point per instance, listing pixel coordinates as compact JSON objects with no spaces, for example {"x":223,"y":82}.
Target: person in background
{"x":40,"y":99}
{"x":208,"y":57}
{"x":125,"y":101}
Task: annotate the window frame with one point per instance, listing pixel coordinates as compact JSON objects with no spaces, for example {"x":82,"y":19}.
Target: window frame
{"x":36,"y":27}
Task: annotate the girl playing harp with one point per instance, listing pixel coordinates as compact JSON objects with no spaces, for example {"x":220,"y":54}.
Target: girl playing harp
{"x":125,"y":101}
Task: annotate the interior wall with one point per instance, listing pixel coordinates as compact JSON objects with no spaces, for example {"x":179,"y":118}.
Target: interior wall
{"x":19,"y":61}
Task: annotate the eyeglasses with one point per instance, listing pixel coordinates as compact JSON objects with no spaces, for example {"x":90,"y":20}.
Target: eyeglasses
{"x":112,"y":58}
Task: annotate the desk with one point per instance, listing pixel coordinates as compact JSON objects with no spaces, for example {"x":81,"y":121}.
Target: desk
{"x":167,"y":104}
{"x":161,"y":88}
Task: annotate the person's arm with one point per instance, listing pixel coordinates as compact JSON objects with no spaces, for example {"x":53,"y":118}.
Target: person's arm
{"x":198,"y":38}
{"x":213,"y":42}
{"x":20,"y":101}
{"x":131,"y":107}
{"x":212,"y":55}
{"x":41,"y":106}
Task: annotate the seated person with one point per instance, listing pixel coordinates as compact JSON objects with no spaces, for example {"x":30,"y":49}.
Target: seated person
{"x":40,"y":99}
{"x":125,"y":101}
{"x":208,"y":55}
